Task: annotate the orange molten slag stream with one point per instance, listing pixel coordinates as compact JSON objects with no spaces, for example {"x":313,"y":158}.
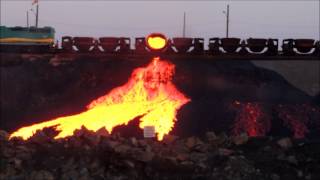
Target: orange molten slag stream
{"x":149,"y":93}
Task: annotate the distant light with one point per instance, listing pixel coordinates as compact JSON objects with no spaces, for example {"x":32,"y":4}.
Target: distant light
{"x":156,"y":41}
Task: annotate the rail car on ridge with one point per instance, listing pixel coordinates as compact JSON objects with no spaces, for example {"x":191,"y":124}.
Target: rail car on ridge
{"x":26,"y":39}
{"x":32,"y":39}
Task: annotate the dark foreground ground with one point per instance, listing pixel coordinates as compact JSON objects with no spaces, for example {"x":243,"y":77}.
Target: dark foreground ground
{"x":39,"y":88}
{"x":100,"y":156}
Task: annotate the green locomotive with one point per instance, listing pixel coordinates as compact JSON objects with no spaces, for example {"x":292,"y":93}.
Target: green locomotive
{"x":26,"y":39}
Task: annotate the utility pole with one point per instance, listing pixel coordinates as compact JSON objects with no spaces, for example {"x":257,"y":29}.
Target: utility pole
{"x":27,"y":18}
{"x":227,"y":19}
{"x":37,"y":15}
{"x":184,"y":25}
{"x":227,"y":33}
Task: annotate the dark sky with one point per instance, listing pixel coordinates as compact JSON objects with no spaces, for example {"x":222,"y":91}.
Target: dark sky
{"x":259,"y":18}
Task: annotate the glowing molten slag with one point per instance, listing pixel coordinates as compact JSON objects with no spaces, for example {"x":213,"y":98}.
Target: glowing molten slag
{"x":156,"y":42}
{"x":149,"y":93}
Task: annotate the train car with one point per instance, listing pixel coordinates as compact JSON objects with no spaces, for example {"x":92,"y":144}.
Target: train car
{"x":26,"y":39}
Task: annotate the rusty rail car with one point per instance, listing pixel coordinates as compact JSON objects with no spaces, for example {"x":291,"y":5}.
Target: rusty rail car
{"x":179,"y":45}
{"x":189,"y":46}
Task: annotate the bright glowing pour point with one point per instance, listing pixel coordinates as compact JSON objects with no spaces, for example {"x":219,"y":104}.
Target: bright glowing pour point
{"x":149,"y":93}
{"x":156,"y":41}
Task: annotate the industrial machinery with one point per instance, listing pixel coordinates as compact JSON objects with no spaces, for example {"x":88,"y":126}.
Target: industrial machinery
{"x":38,"y":40}
{"x":300,"y":47}
{"x":26,"y":39}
